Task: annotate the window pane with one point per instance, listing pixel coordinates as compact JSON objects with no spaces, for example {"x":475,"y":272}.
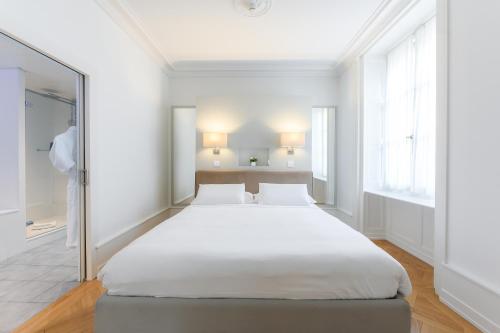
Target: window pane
{"x":408,"y":142}
{"x":398,"y":127}
{"x":425,"y":110}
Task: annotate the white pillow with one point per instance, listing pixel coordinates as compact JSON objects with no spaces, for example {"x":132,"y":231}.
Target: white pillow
{"x":220,"y":194}
{"x":258,"y":200}
{"x":284,"y":194}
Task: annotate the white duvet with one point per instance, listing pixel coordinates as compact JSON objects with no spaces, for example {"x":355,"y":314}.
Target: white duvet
{"x":254,"y":251}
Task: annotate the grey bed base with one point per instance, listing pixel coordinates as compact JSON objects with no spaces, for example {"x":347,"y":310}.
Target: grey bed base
{"x":126,"y":314}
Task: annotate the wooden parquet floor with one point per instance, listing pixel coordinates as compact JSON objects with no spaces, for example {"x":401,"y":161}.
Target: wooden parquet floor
{"x":74,"y":312}
{"x":428,"y":313}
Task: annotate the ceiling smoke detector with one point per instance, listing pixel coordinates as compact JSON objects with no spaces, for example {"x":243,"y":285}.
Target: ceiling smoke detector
{"x":252,"y":8}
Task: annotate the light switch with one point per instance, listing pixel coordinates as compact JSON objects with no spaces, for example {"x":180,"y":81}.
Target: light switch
{"x":291,"y":164}
{"x":216,"y":164}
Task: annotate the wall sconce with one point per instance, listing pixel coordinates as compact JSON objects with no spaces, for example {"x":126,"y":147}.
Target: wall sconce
{"x":292,"y":140}
{"x":215,"y":141}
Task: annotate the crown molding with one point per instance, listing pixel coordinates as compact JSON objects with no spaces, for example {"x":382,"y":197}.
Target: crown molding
{"x":250,"y":73}
{"x":128,"y":23}
{"x":253,"y":68}
{"x":378,"y":22}
{"x":259,"y":65}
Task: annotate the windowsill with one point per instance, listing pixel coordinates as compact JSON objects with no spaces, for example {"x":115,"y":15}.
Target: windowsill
{"x":401,"y":196}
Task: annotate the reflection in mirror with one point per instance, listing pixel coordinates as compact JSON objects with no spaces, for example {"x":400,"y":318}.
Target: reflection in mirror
{"x":183,"y":154}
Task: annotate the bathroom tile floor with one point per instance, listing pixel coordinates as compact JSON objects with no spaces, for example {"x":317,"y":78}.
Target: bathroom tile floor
{"x":33,"y":279}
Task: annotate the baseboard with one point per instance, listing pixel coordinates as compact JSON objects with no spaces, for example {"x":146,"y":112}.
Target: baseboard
{"x":45,"y":238}
{"x":106,"y":249}
{"x":411,"y":249}
{"x":177,"y":202}
{"x":375,"y":236}
{"x":382,"y":235}
{"x":477,"y":303}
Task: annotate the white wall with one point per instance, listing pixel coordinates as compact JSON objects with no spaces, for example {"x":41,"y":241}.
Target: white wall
{"x":253,"y":124}
{"x":12,"y":82}
{"x":249,"y":96}
{"x":127,"y":105}
{"x":467,"y":218}
{"x":12,"y":160}
{"x":320,"y":89}
{"x":240,"y":90}
{"x":346,"y":140}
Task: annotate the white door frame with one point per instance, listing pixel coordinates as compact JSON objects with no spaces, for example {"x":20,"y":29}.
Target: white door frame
{"x":83,"y":156}
{"x":82,"y":164}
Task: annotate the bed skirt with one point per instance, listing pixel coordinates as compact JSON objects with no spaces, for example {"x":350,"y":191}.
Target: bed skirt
{"x":125,"y":314}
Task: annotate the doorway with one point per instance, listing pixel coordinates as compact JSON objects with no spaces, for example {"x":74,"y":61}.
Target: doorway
{"x":42,"y":181}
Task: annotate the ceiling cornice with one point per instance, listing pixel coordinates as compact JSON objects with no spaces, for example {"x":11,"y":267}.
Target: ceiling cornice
{"x":127,"y":22}
{"x":377,"y":22}
{"x":250,"y":73}
{"x":385,"y":13}
{"x":254,"y":68}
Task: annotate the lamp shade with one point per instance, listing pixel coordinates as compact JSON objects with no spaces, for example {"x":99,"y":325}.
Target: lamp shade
{"x":214,"y":140}
{"x":293,"y":140}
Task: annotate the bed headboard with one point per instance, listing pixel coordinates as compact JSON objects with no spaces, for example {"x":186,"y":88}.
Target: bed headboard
{"x":252,"y":178}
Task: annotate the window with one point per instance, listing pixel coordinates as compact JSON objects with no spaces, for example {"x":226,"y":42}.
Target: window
{"x":320,"y":143}
{"x":409,"y":116}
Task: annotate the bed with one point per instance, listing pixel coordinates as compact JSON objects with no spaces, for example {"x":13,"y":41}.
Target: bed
{"x":253,"y":268}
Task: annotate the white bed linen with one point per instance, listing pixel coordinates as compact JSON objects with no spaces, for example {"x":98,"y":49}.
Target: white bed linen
{"x":254,"y":251}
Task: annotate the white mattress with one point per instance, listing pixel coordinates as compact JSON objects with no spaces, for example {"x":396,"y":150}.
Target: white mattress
{"x":254,"y":251}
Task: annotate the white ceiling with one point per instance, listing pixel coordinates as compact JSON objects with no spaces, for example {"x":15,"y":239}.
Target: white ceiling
{"x":41,"y":72}
{"x":213,"y":31}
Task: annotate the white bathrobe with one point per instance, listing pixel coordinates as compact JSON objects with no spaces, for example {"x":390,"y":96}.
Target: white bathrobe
{"x":63,"y":158}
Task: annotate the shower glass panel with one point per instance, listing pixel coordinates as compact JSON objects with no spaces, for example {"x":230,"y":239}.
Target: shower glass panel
{"x":46,"y":187}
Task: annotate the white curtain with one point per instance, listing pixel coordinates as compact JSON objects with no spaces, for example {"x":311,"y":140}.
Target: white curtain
{"x":425,"y":110}
{"x":408,"y":149}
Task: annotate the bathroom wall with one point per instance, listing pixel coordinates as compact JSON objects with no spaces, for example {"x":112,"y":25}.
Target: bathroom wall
{"x":45,"y":186}
{"x":12,"y":194}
